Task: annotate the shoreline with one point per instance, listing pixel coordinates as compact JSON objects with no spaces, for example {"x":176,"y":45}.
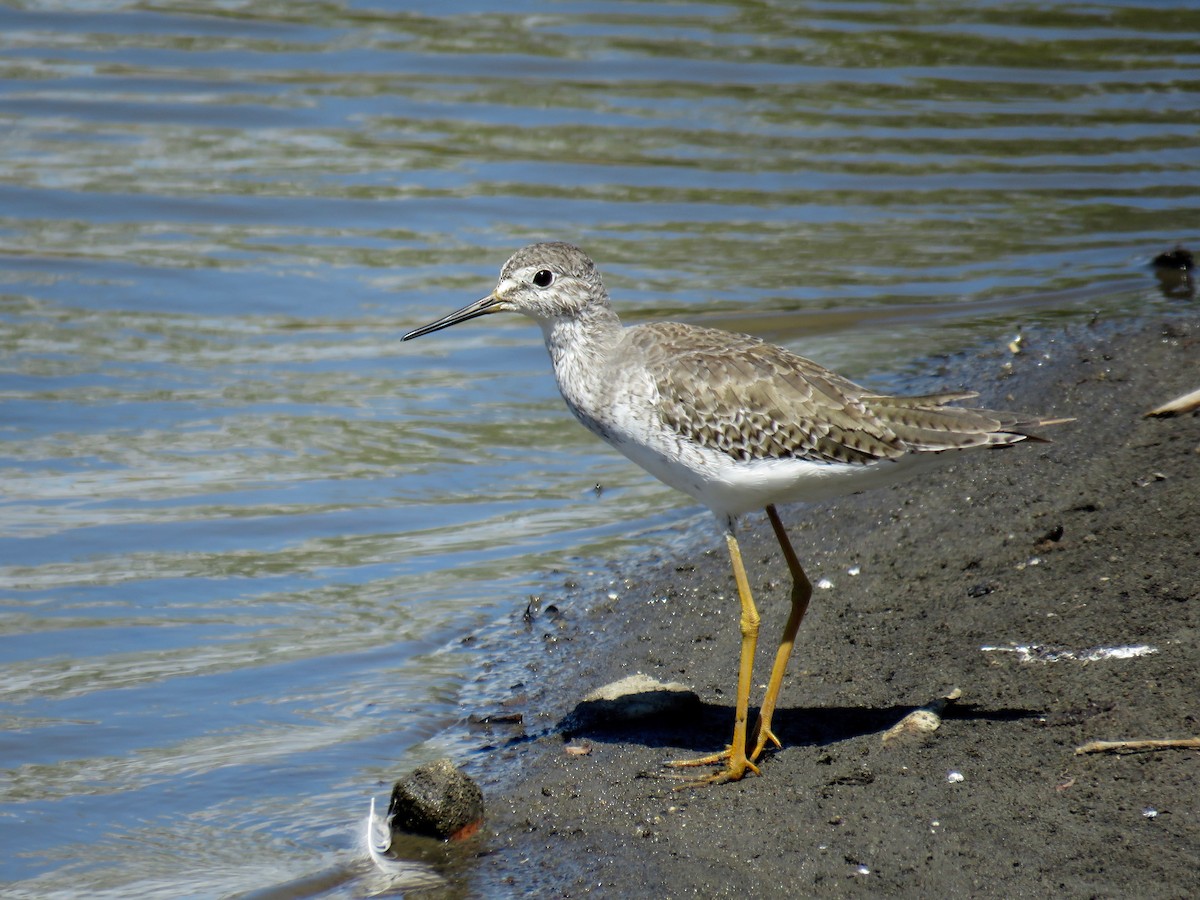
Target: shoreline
{"x":1091,"y":541}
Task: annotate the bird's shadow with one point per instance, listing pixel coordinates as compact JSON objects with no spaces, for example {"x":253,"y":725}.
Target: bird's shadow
{"x":706,"y":727}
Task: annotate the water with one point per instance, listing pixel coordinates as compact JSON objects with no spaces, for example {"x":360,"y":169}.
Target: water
{"x":244,"y":531}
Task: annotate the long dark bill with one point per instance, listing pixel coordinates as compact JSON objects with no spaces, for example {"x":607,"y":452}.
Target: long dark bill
{"x":483,"y":307}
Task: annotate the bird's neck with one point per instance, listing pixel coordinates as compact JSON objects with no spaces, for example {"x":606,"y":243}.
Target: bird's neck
{"x":580,"y":347}
{"x":582,"y":339}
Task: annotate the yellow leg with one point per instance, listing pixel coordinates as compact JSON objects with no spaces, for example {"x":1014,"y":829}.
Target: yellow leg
{"x":801,"y":594}
{"x":735,"y":754}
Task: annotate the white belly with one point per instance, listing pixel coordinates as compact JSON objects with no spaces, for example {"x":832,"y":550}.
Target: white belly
{"x":731,"y":487}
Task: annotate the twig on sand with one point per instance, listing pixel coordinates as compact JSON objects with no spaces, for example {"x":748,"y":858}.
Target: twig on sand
{"x":923,"y":720}
{"x":1192,"y":743}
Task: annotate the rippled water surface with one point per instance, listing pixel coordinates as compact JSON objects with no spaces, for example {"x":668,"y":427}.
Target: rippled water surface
{"x":244,"y":531}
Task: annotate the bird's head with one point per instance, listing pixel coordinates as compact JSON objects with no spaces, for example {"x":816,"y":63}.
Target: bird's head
{"x":543,"y":281}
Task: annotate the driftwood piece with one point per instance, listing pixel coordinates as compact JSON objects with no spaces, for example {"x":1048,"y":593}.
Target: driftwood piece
{"x":1181,"y":404}
{"x":1192,"y":743}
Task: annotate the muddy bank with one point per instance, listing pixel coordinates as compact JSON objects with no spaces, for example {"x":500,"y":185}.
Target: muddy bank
{"x":1090,"y":542}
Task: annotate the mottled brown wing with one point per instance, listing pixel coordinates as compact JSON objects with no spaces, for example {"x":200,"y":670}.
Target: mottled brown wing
{"x":753,"y":400}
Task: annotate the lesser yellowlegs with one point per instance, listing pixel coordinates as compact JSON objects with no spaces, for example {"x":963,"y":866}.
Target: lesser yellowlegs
{"x":734,"y":422}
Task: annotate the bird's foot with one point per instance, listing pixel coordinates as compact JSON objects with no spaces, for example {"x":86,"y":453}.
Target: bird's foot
{"x":765,"y":736}
{"x":735,"y":767}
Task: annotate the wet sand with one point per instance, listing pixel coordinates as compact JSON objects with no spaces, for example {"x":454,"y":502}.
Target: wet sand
{"x":1090,"y":542}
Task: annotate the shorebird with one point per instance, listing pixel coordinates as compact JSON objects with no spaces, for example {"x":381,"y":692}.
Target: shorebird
{"x":733,"y":422}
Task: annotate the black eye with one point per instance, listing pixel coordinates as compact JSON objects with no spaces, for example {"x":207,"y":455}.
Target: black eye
{"x":543,"y":278}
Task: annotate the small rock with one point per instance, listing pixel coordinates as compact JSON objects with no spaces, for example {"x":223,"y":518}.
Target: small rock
{"x":1048,"y":540}
{"x":1174,"y":271}
{"x":437,"y":800}
{"x":1179,"y":258}
{"x":632,"y":698}
{"x":923,"y":721}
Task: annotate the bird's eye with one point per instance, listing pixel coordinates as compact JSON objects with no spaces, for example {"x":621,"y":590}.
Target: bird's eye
{"x":543,"y":278}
